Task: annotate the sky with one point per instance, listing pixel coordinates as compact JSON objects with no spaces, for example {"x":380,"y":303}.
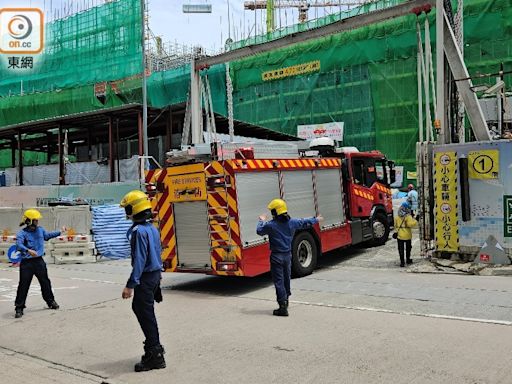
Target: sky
{"x":167,"y":20}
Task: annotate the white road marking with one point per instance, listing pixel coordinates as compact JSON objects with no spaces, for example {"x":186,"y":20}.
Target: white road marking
{"x":431,"y":315}
{"x":94,"y":281}
{"x":8,"y":292}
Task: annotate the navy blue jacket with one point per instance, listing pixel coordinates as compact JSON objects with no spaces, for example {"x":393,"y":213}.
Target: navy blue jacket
{"x":146,"y":251}
{"x":280,"y":233}
{"x":27,"y":239}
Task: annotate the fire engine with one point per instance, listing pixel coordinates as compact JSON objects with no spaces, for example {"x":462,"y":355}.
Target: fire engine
{"x":207,"y":208}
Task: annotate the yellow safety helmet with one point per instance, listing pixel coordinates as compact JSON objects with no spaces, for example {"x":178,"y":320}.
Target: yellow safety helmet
{"x":279,"y":206}
{"x":135,"y":202}
{"x":29,"y":215}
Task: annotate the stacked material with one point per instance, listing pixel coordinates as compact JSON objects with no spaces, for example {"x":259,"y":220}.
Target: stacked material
{"x":75,"y":246}
{"x":72,"y":249}
{"x":109,"y":226}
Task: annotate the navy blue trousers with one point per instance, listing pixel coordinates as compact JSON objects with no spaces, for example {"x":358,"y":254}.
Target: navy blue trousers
{"x":281,"y":269}
{"x":143,"y":305}
{"x":28,"y":268}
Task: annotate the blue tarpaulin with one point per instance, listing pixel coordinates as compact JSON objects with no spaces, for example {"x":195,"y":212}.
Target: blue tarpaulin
{"x":109,"y":226}
{"x":399,"y":195}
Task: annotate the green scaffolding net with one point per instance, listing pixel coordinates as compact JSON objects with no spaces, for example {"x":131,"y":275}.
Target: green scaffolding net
{"x":100,"y":44}
{"x":366,"y":78}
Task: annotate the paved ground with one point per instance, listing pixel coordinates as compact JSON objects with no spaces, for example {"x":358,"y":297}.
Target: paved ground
{"x":358,"y":319}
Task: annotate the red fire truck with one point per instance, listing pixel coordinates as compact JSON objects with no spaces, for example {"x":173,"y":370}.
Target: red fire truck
{"x":207,"y":210}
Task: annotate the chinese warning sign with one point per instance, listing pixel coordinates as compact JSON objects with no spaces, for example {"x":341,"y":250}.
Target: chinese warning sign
{"x":445,"y":193}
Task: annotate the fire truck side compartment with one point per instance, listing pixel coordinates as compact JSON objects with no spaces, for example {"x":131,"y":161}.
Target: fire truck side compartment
{"x":192,"y":236}
{"x":298,"y":193}
{"x":329,"y":197}
{"x":254,"y":191}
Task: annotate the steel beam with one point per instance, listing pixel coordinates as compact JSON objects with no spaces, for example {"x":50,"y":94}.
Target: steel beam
{"x":49,"y":142}
{"x":440,"y":77}
{"x":195,"y":107}
{"x":14,"y":145}
{"x":20,"y":158}
{"x":339,"y":26}
{"x":140,"y":134}
{"x":111,"y":163}
{"x":62,"y":165}
{"x":459,"y":70}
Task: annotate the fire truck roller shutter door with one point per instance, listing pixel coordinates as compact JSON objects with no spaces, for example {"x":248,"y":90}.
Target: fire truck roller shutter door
{"x":298,"y":193}
{"x":192,"y":236}
{"x":254,"y":190}
{"x":330,"y":197}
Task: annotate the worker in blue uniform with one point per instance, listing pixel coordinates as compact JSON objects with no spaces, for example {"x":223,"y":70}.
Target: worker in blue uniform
{"x":30,"y":243}
{"x":412,"y":199}
{"x":144,"y":281}
{"x":280,"y":231}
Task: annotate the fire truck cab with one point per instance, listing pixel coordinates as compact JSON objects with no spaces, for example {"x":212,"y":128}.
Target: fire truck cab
{"x":207,"y":209}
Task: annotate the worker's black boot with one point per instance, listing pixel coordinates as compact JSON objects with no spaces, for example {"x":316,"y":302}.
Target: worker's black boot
{"x":19,"y":313}
{"x":286,"y":304}
{"x":281,"y":311}
{"x":152,"y":359}
{"x":53,"y":305}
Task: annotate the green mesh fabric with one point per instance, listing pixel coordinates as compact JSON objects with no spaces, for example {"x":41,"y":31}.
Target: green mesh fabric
{"x":367,"y":79}
{"x":172,"y":87}
{"x":16,"y":109}
{"x":100,"y":44}
{"x":315,"y":23}
{"x":29,"y":158}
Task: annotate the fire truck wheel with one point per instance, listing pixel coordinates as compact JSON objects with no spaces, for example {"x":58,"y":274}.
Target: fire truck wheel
{"x":380,"y":229}
{"x":304,"y":254}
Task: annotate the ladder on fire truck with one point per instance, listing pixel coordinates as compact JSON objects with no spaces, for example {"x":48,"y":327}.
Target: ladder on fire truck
{"x":219,"y":216}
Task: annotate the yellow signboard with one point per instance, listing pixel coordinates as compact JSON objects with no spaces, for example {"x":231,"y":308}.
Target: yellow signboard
{"x":299,"y":69}
{"x":484,"y":164}
{"x":189,"y":187}
{"x":445,"y":194}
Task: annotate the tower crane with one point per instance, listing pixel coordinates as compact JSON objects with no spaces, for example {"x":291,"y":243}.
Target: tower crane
{"x":302,"y":6}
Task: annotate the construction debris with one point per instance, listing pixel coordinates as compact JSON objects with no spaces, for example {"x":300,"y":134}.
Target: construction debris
{"x":435,"y":265}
